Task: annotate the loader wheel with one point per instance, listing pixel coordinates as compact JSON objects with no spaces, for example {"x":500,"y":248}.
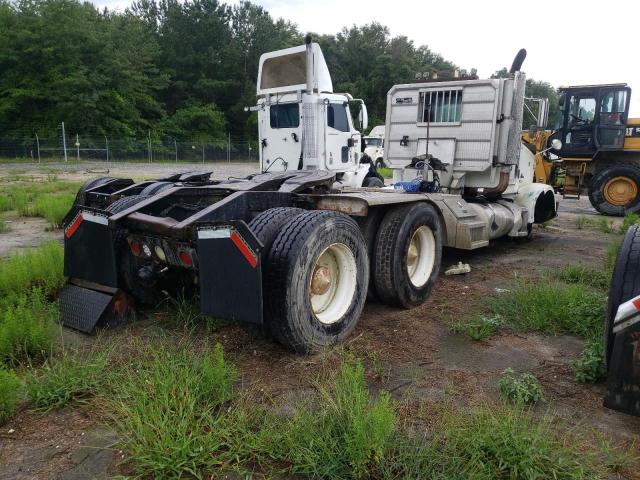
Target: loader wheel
{"x":625,"y":282}
{"x":615,"y":189}
{"x":408,"y":251}
{"x":317,"y":275}
{"x":155,"y":188}
{"x":124,"y":203}
{"x":267,"y":224}
{"x":89,"y":184}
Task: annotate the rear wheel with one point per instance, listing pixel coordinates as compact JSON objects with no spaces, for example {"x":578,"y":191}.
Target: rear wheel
{"x":89,"y":184}
{"x":408,"y":251}
{"x":615,"y":189}
{"x":317,"y":276}
{"x":155,"y":188}
{"x":268,"y":224}
{"x":625,"y":282}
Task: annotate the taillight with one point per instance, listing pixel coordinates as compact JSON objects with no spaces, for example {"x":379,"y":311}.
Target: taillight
{"x":136,"y":248}
{"x":186,"y":259}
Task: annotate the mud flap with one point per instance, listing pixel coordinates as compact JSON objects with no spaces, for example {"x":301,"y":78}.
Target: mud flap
{"x":84,"y":309}
{"x":230,"y":272}
{"x":89,"y":250}
{"x":623,"y":386}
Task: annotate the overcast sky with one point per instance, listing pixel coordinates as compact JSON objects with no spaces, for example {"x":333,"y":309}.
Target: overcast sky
{"x":568,"y":42}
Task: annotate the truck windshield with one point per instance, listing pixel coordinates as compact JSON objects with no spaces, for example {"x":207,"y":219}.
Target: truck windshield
{"x":373,"y":142}
{"x":284,"y":115}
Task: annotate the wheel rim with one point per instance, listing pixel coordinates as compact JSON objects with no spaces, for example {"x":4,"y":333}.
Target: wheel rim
{"x":421,"y":256}
{"x":332,"y":284}
{"x":620,"y":191}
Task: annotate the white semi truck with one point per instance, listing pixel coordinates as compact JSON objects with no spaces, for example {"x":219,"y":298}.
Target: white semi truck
{"x":375,"y":146}
{"x":297,"y":249}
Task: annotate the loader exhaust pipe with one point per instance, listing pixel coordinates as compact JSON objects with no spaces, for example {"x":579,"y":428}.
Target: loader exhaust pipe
{"x":307,"y":42}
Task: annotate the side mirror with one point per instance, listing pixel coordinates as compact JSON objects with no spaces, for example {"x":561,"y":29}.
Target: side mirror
{"x":350,"y":142}
{"x":363,"y":117}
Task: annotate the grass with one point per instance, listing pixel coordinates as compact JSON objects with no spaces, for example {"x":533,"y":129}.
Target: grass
{"x":386,"y":172}
{"x":184,"y":310}
{"x":41,"y":267}
{"x":170,"y":409}
{"x":521,"y":390}
{"x":630,"y":219}
{"x":582,"y":221}
{"x":27,"y":328}
{"x":4,"y":226}
{"x":9,"y":388}
{"x":551,"y":307}
{"x":478,"y":327}
{"x":66,"y":379}
{"x":49,"y":198}
{"x":604,"y":225}
{"x":589,"y":276}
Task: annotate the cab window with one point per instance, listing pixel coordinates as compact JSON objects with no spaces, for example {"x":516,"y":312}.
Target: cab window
{"x":337,"y":117}
{"x":613,"y":107}
{"x":284,"y":115}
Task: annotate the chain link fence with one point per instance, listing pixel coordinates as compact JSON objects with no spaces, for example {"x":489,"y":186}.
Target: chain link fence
{"x":113,"y":150}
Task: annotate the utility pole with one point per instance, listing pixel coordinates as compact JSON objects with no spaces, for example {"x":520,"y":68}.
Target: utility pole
{"x":38,"y":145}
{"x":64,"y":143}
{"x":106,"y":142}
{"x":77,"y":147}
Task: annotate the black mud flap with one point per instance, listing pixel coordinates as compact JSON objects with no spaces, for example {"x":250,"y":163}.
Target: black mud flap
{"x":89,"y":250}
{"x":84,"y":309}
{"x":230,"y":272}
{"x":623,"y":389}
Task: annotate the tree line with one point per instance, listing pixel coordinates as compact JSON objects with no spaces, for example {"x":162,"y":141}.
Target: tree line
{"x":165,"y":68}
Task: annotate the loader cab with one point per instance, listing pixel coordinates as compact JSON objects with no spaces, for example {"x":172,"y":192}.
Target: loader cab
{"x":594,"y":118}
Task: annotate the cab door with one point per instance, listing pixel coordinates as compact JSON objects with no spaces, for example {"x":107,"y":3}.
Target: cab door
{"x":612,"y":122}
{"x":340,"y":151}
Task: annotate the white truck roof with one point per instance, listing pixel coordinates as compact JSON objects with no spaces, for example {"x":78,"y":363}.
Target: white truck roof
{"x":377,"y":131}
{"x":285,"y":71}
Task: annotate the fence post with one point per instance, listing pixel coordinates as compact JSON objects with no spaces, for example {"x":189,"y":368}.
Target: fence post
{"x":203,"y":153}
{"x":38,"y":145}
{"x":107,"y":146}
{"x":64,"y":143}
{"x":77,"y":147}
{"x":149,"y":143}
{"x":175,"y":146}
{"x":229,"y":149}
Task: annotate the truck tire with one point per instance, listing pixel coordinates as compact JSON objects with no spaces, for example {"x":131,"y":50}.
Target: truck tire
{"x":123,"y":203}
{"x":317,"y":275}
{"x":616,"y":189}
{"x":625,"y":282}
{"x":380,"y":163}
{"x":372,"y":182}
{"x":267,"y":224}
{"x":155,"y":188}
{"x":408,"y":252}
{"x":89,"y":184}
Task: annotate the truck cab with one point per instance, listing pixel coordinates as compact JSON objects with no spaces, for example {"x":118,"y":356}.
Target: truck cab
{"x":374,"y":146}
{"x":302,"y":123}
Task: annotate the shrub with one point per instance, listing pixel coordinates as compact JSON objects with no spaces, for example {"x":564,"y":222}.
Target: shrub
{"x":552,"y":307}
{"x":61,"y":381}
{"x":478,"y":327}
{"x":168,"y":406}
{"x":9,"y":387}
{"x":523,"y":389}
{"x":41,"y":266}
{"x":589,"y":367}
{"x":27,"y":328}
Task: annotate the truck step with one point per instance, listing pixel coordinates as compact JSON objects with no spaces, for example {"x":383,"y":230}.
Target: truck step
{"x":84,"y":309}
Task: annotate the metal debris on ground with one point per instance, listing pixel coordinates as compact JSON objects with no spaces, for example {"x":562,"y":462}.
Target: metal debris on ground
{"x":458,"y":269}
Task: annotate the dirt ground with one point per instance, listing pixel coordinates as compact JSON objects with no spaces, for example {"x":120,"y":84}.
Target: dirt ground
{"x":410,"y":353}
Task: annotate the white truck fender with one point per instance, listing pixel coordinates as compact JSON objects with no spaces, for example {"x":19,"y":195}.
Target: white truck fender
{"x":529,"y":194}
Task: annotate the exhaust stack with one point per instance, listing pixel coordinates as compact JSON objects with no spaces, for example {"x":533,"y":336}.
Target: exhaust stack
{"x":309,"y":49}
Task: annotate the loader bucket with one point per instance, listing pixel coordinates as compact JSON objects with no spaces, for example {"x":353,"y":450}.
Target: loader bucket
{"x":623,"y":386}
{"x":84,"y":309}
